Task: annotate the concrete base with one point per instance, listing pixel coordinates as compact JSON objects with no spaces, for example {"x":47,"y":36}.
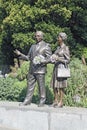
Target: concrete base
{"x":32,"y":117}
{"x":6,"y":128}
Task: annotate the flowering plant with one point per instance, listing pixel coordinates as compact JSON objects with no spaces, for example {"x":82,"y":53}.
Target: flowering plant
{"x":38,"y":59}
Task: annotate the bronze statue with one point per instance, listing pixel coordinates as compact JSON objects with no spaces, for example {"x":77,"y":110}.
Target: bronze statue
{"x":38,"y":55}
{"x":61,"y":59}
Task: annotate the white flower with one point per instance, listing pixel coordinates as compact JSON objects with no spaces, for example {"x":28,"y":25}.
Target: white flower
{"x":38,"y":59}
{"x":53,"y":58}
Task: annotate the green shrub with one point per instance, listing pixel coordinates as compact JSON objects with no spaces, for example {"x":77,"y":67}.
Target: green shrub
{"x":11,"y":89}
{"x":76,"y":92}
{"x":14,"y":89}
{"x":20,"y":90}
{"x":23,"y":71}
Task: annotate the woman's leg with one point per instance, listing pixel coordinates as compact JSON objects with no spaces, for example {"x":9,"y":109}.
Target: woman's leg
{"x":61,"y":92}
{"x":55,"y":103}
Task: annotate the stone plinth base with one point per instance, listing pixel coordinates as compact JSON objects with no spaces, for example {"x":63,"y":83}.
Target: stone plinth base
{"x":32,"y":117}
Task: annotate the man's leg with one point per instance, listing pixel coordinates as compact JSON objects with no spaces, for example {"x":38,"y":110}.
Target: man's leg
{"x":41,"y":84}
{"x":30,"y":89}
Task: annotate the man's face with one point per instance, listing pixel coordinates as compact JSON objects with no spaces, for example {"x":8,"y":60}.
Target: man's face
{"x":38,"y":37}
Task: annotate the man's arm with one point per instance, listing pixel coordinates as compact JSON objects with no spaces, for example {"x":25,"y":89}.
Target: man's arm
{"x":48,"y":53}
{"x":21,"y":55}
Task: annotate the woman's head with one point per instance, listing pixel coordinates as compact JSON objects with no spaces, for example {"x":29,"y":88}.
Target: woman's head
{"x":63,"y":36}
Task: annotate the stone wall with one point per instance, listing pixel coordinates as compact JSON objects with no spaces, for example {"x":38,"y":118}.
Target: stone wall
{"x":32,"y":117}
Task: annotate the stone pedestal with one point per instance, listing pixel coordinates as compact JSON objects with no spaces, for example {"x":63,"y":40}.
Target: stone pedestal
{"x":32,"y":117}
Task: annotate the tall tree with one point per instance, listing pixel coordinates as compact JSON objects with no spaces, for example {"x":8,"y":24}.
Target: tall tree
{"x":20,"y":19}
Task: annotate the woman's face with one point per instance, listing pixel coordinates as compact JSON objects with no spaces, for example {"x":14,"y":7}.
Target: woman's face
{"x":60,"y":41}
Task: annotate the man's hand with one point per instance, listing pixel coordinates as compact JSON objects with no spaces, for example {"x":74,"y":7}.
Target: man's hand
{"x":17,"y":52}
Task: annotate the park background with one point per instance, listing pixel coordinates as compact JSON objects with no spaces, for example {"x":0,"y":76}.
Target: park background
{"x":19,"y":19}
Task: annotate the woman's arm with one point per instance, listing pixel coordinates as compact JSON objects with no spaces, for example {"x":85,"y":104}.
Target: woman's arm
{"x":64,"y":59}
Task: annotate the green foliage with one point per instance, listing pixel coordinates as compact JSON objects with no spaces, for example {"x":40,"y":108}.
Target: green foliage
{"x":20,"y":89}
{"x":50,"y":29}
{"x":23,"y":71}
{"x":23,"y":41}
{"x":52,"y":33}
{"x":78,"y":21}
{"x":20,"y":19}
{"x":77,"y":84}
{"x":14,"y":89}
{"x":11,"y":89}
{"x":85,"y":52}
{"x":57,"y":13}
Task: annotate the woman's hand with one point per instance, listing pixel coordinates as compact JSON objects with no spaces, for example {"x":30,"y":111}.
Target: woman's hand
{"x":17,"y":52}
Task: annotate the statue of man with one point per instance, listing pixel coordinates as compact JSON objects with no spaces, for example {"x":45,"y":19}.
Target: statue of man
{"x":38,"y":55}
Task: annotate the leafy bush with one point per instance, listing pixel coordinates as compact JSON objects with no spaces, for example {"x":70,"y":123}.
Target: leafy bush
{"x":11,"y":89}
{"x":14,"y":89}
{"x":23,"y":71}
{"x":77,"y":85}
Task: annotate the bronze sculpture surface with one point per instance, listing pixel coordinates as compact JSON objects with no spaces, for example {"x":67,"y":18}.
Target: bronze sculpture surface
{"x":38,"y":55}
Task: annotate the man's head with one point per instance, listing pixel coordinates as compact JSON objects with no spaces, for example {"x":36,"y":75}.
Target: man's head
{"x":39,"y":35}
